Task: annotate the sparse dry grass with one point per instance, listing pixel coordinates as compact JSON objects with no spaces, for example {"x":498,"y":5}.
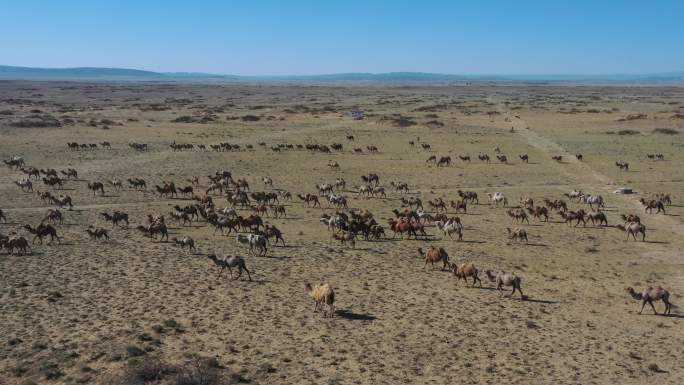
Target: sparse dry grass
{"x":93,"y":312}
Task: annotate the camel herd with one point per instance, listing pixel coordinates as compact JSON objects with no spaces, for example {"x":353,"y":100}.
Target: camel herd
{"x":346,"y":226}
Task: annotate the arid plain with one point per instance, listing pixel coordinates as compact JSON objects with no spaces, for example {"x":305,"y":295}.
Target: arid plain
{"x":91,"y":311}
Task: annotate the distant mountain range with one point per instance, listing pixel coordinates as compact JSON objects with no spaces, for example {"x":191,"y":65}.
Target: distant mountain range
{"x":125,"y":74}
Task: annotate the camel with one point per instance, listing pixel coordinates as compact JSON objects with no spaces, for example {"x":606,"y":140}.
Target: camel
{"x":270,"y":231}
{"x":116,"y":183}
{"x":557,"y":158}
{"x":459,"y":206}
{"x":525,"y":158}
{"x":229,"y":263}
{"x":406,"y":226}
{"x":116,"y":217}
{"x":435,"y":254}
{"x":502,"y":158}
{"x":255,"y":242}
{"x":96,"y":186}
{"x":468,"y":196}
{"x":465,"y":270}
{"x":649,"y":295}
{"x":155,"y":228}
{"x":20,"y":243}
{"x":25,"y":184}
{"x":652,"y":204}
{"x":322,"y":294}
{"x":623,"y":166}
{"x":444,"y":161}
{"x":574,"y":216}
{"x":97,"y":233}
{"x":518,"y":215}
{"x":465,"y":158}
{"x":309,"y":199}
{"x":598,"y":216}
{"x":517,"y":234}
{"x":633,"y":228}
{"x":497,"y":198}
{"x":345,"y":238}
{"x":42,"y":231}
{"x":451,"y":226}
{"x":505,"y":279}
{"x":526,"y":202}
{"x":69,"y":173}
{"x":538,"y":212}
{"x":184,"y":242}
{"x":579,"y":157}
{"x":52,"y":215}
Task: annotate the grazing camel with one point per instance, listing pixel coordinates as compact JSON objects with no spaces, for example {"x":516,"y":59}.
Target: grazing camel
{"x":623,"y":166}
{"x":435,"y":254}
{"x":229,"y":263}
{"x":557,"y":158}
{"x":574,"y":216}
{"x":322,"y":294}
{"x":525,"y":158}
{"x":505,"y":279}
{"x":517,"y":234}
{"x":184,"y":242}
{"x":52,"y":215}
{"x":633,"y":228}
{"x":465,"y":158}
{"x":598,"y":216}
{"x":444,"y":161}
{"x":116,"y":183}
{"x":652,"y":204}
{"x":20,"y":243}
{"x":468,"y":196}
{"x":459,"y":206}
{"x":465,"y":270}
{"x":579,"y":157}
{"x":538,"y":212}
{"x":116,"y":217}
{"x":344,"y":238}
{"x":502,"y":158}
{"x":95,"y":187}
{"x":97,"y":233}
{"x":649,"y":295}
{"x":69,"y":173}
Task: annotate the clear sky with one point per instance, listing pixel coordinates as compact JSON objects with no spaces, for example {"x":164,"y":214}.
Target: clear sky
{"x":292,"y":37}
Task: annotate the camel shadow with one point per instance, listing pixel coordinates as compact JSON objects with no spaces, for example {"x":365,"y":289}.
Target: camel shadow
{"x":351,"y":316}
{"x":542,"y":301}
{"x":658,"y":242}
{"x":537,"y":244}
{"x":472,"y":241}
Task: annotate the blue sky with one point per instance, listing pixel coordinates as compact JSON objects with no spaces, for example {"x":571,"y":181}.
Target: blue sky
{"x":293,"y":37}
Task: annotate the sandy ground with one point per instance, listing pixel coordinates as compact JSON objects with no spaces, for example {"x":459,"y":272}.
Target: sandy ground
{"x":83,"y":310}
